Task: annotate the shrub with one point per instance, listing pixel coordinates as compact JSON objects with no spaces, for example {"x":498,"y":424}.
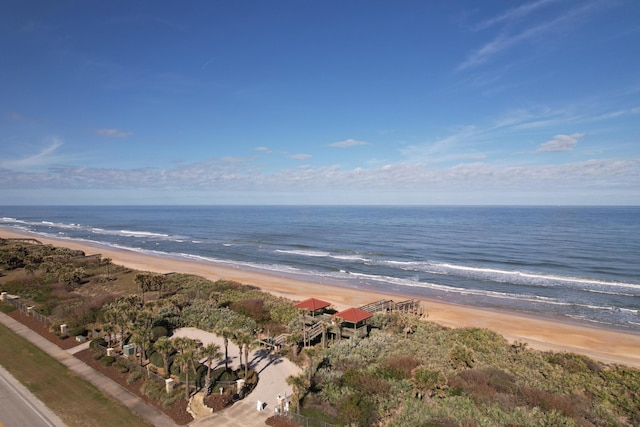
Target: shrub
{"x":107,"y":360}
{"x":97,"y":342}
{"x":159,"y":331}
{"x":135,"y":376}
{"x":78,"y":330}
{"x":156,"y":359}
{"x":6,"y":308}
{"x":546,"y":401}
{"x":228,"y":376}
{"x":574,"y":363}
{"x":364,"y":382}
{"x":461,"y":357}
{"x":252,"y":378}
{"x":398,"y":368}
{"x":156,"y":391}
{"x":359,"y":410}
{"x":252,"y":307}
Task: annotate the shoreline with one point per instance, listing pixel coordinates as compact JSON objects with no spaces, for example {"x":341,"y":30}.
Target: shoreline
{"x":605,"y":345}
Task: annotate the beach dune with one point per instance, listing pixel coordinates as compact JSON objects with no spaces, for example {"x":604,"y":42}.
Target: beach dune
{"x":608,"y":346}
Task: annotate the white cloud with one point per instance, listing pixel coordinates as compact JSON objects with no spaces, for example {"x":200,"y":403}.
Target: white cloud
{"x":512,"y":14}
{"x":300,"y":156}
{"x":44,"y":157}
{"x":542,"y":31}
{"x":262,"y":149}
{"x":621,"y":175}
{"x":347,"y":143}
{"x":560,"y":143}
{"x":113,"y":133}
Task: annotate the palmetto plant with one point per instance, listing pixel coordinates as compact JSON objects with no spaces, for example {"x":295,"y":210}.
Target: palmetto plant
{"x":165,"y":347}
{"x":210,"y":351}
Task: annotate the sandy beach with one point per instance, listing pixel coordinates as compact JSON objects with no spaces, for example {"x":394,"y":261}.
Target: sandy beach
{"x":608,"y":346}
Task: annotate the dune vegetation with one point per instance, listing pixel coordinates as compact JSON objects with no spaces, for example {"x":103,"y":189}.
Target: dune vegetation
{"x":407,"y":372}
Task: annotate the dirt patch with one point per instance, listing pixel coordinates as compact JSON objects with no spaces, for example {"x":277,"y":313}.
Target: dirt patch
{"x":218,"y":402}
{"x":43,"y":330}
{"x":279,"y":422}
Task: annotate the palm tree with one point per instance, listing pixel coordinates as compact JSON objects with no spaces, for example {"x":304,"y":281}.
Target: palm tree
{"x":311,"y":353}
{"x":158,"y":282}
{"x":165,"y":347}
{"x":425,"y":380}
{"x":210,"y":351}
{"x":184,"y":359}
{"x":337,"y":320}
{"x":144,"y":283}
{"x":188,"y":350}
{"x":226,"y":332}
{"x":142,"y":327}
{"x":325,"y":326}
{"x":293,"y":340}
{"x":299,"y":385}
{"x":109,"y":329}
{"x":107,"y":263}
{"x":247,"y":340}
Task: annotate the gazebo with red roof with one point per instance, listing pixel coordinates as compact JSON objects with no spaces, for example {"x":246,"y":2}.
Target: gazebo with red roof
{"x":312,"y":304}
{"x":353,"y":315}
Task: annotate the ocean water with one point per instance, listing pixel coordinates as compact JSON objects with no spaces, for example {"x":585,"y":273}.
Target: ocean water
{"x":572,"y":263}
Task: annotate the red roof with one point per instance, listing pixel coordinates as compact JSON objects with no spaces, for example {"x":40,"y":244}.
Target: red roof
{"x":312,"y":304}
{"x":353,"y":315}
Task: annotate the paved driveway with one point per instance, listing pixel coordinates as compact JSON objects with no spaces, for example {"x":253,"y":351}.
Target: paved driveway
{"x":272,"y":371}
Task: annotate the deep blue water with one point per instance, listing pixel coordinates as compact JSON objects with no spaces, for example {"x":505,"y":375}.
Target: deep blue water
{"x":578,"y":263}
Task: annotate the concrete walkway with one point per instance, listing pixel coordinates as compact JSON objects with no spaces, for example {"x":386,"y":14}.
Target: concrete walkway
{"x":272,"y":372}
{"x":133,"y":402}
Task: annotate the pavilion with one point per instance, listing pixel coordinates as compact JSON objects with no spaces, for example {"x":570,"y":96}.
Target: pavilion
{"x":314,"y":305}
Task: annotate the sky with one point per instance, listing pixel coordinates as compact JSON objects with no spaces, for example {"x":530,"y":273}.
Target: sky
{"x":533,"y":102}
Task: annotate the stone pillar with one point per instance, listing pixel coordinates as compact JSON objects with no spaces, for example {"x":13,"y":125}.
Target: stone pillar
{"x":168,"y":385}
{"x":4,"y":296}
{"x":280,"y":400}
{"x":240,"y":384}
{"x":30,"y":310}
{"x":64,"y":329}
{"x":110,"y":351}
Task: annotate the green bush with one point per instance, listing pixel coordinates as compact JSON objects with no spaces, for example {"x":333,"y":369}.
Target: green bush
{"x":156,"y":359}
{"x":134,"y":376}
{"x":174,"y":369}
{"x":107,"y":360}
{"x":228,"y":376}
{"x":156,"y":391}
{"x":6,"y":308}
{"x":78,"y":330}
{"x":97,"y":342}
{"x":359,"y":410}
{"x":461,"y":357}
{"x":159,"y":331}
{"x":122,"y":366}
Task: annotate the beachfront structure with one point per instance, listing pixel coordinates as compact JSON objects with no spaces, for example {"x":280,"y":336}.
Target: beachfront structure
{"x":319,"y":319}
{"x":314,"y":305}
{"x":356,"y":318}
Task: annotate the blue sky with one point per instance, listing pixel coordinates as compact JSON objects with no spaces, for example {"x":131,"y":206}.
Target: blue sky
{"x":320,"y":102}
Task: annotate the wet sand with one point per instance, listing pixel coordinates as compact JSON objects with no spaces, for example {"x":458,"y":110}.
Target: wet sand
{"x":608,"y":346}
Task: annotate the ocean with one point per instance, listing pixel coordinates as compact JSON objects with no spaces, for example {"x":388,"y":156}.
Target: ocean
{"x":580,"y":264}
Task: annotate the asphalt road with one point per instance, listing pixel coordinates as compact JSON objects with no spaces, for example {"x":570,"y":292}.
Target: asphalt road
{"x":19,"y":407}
